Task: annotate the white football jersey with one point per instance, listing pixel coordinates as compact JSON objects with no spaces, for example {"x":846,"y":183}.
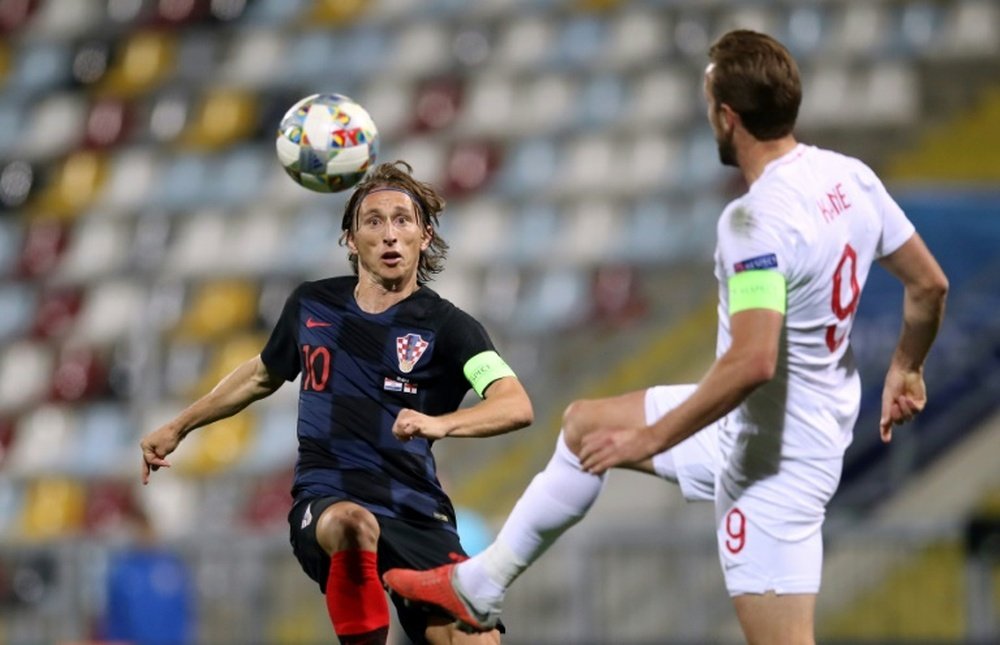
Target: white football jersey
{"x":820,"y":219}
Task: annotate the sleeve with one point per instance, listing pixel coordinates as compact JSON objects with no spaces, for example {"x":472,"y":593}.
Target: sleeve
{"x":896,"y":227}
{"x":754,"y":237}
{"x":468,"y":345}
{"x":281,"y":353}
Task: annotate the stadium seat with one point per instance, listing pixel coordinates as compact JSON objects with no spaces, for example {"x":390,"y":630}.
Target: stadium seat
{"x":662,"y":96}
{"x":274,"y":445}
{"x":758,"y":17}
{"x":80,"y":374}
{"x":110,"y":310}
{"x":478,"y":234}
{"x":98,"y":247}
{"x":524,"y":43}
{"x":55,"y":125}
{"x":591,"y":234}
{"x":53,"y":509}
{"x":198,"y":245}
{"x":38,"y":67}
{"x":579,"y":43}
{"x":222,"y":118}
{"x":241,"y":174}
{"x":470,"y":167}
{"x":257,"y":241}
{"x":390,"y":104}
{"x":310,"y":240}
{"x":108,"y":123}
{"x":58,"y":20}
{"x":78,"y":182}
{"x":11,"y":508}
{"x":335,"y":12}
{"x":43,"y":441}
{"x":419,"y":49}
{"x":12,"y":117}
{"x":460,"y":286}
{"x":551,"y":302}
{"x":917,"y":25}
{"x":267,"y":506}
{"x":253,"y":58}
{"x":425,"y":154}
{"x":18,"y":302}
{"x":42,"y":245}
{"x":133,"y":174}
{"x":529,"y":167}
{"x":971,"y":28}
{"x":169,"y":114}
{"x":172,"y":505}
{"x":490,"y":106}
{"x":857,"y":29}
{"x":637,"y":35}
{"x":805,"y":31}
{"x":57,"y":312}
{"x":544,"y":102}
{"x":273,"y":13}
{"x":10,"y":244}
{"x":110,"y":509}
{"x":891,"y":95}
{"x":183,"y":182}
{"x":217,"y":308}
{"x":437,"y":103}
{"x":602,"y":102}
{"x":591,"y":166}
{"x":532,"y":229}
{"x":220,"y":446}
{"x":145,"y":60}
{"x":104,"y":443}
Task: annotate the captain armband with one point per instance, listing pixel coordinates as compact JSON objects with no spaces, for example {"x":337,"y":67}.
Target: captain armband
{"x":757,"y":290}
{"x":484,"y":368}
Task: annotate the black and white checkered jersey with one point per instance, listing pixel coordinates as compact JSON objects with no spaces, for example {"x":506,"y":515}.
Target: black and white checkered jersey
{"x":358,"y":371}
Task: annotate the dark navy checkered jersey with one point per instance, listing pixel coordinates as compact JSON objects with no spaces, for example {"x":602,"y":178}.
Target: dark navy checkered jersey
{"x":358,"y":371}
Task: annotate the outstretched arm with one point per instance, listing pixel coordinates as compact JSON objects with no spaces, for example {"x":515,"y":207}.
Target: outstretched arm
{"x":504,"y":408}
{"x":750,"y":361}
{"x":925,"y":290}
{"x":244,"y":385}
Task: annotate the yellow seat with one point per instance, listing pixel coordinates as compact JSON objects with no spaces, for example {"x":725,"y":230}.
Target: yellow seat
{"x":77,"y":182}
{"x":231,"y":354}
{"x":224,"y":117}
{"x":218,"y":309}
{"x":147,"y":58}
{"x":53,"y":508}
{"x":335,"y":12}
{"x":219,"y":445}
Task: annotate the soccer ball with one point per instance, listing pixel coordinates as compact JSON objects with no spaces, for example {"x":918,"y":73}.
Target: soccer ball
{"x":326,"y":142}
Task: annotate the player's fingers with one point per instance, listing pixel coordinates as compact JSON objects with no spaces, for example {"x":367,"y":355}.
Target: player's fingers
{"x":905,"y":411}
{"x":145,"y":471}
{"x":885,"y":429}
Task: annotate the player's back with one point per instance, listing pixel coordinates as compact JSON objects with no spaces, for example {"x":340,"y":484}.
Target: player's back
{"x":824,"y":217}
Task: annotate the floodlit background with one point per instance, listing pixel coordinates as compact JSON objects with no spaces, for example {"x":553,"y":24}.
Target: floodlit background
{"x":148,"y":239}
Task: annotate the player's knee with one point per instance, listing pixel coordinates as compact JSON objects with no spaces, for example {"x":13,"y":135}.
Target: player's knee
{"x":347,"y":526}
{"x":574,"y":425}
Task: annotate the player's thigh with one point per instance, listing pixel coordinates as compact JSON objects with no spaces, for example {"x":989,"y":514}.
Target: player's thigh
{"x":772,"y":618}
{"x":442,"y":631}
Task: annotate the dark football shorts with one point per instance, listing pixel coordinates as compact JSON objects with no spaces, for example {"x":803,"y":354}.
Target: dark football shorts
{"x":401,"y":544}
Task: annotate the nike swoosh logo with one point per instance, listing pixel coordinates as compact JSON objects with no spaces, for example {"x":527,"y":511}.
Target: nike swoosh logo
{"x":310,"y":323}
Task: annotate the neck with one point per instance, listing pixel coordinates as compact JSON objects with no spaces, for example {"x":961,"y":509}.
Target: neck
{"x":754,"y":155}
{"x":374,"y":296}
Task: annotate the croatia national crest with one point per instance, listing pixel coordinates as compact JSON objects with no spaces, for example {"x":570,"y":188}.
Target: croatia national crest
{"x":409,"y":349}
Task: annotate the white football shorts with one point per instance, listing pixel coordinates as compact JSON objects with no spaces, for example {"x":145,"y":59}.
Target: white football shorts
{"x":754,"y":560}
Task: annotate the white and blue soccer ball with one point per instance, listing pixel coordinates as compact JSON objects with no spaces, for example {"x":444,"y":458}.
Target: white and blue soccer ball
{"x":327,"y":142}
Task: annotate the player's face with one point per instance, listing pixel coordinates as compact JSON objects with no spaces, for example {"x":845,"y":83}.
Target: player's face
{"x":388,"y":237}
{"x":723,"y":134}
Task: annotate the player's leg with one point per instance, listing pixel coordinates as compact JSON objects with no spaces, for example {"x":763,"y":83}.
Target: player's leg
{"x":772,"y":575}
{"x":335,"y":541}
{"x":556,"y":499}
{"x":772,"y":618}
{"x":443,"y":631}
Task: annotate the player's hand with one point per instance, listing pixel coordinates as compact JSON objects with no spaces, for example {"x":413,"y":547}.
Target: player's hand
{"x":411,"y":424}
{"x":156,"y":446}
{"x":903,"y":397}
{"x":604,"y":449}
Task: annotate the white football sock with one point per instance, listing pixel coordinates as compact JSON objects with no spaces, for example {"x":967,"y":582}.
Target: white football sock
{"x":557,"y":498}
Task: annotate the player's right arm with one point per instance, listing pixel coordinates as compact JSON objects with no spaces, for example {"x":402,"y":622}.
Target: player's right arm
{"x":925,"y":290}
{"x":249,"y":382}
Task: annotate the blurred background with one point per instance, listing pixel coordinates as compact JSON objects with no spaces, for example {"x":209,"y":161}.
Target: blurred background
{"x":148,"y":239}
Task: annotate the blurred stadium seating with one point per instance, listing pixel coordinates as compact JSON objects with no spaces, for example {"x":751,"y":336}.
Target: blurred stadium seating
{"x":148,"y":240}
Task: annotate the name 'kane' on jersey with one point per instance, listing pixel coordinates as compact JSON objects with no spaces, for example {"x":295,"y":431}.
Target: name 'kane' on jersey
{"x":359,"y":370}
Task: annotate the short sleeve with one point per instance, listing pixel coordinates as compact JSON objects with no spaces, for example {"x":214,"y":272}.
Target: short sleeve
{"x":896,"y":227}
{"x":753,"y":237}
{"x":281,"y":353}
{"x":463,"y":338}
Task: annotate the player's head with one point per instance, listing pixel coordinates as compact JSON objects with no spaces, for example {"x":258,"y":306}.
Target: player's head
{"x":751,"y":76}
{"x":389,"y":191}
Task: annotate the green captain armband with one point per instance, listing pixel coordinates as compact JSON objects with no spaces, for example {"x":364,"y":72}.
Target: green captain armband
{"x":484,"y":368}
{"x":757,"y":290}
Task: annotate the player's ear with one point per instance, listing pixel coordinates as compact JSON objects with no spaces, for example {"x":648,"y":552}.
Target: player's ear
{"x":730,"y":118}
{"x":425,"y":239}
{"x":349,"y":241}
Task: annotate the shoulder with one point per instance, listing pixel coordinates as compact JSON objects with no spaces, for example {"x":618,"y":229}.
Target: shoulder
{"x":335,"y":289}
{"x":441,"y":310}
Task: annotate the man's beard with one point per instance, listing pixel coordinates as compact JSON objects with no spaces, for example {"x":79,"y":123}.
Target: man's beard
{"x":727,"y":151}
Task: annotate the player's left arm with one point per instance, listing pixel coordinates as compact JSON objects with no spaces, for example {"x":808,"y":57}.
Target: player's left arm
{"x":505,"y":406}
{"x":757,"y":299}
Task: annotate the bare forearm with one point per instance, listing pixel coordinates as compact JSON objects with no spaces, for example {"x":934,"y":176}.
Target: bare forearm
{"x":247,"y":383}
{"x":923,"y":311}
{"x":503,"y":411}
{"x":727,"y":384}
